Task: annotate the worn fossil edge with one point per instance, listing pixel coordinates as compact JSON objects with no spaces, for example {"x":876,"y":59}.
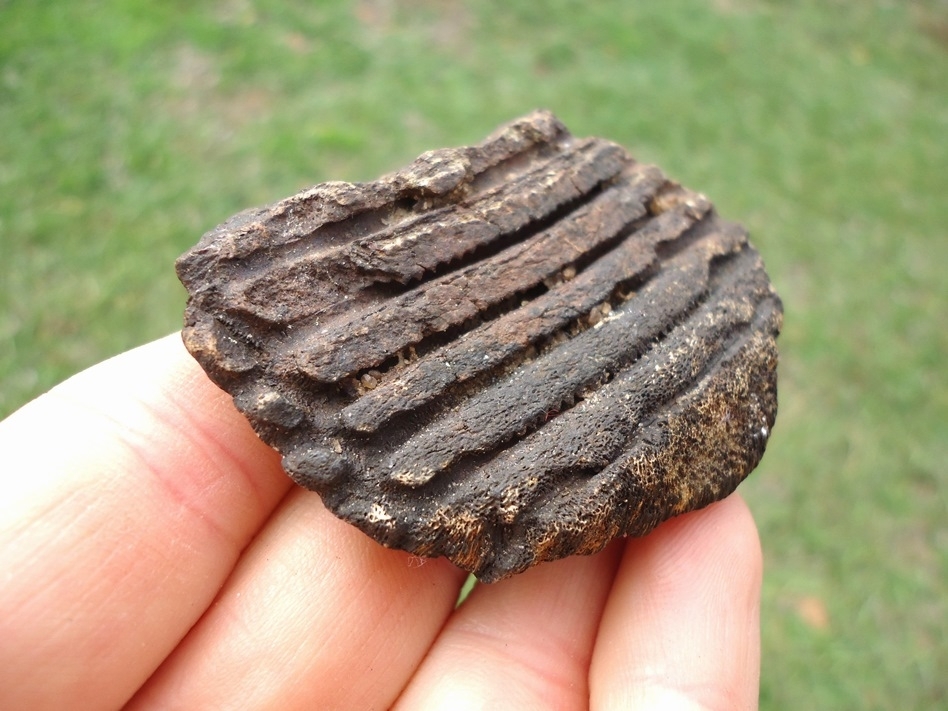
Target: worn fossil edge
{"x":309,"y":312}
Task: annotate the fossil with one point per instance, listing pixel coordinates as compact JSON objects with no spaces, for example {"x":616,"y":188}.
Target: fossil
{"x":503,"y":354}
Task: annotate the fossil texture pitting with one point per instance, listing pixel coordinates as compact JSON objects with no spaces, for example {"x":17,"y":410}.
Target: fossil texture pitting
{"x":504,"y":354}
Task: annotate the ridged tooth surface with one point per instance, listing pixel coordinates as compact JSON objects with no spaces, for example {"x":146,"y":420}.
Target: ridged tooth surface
{"x":491,"y":344}
{"x":505,"y":353}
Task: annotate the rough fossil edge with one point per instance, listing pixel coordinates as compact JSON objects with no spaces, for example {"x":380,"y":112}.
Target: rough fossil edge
{"x":342,"y":254}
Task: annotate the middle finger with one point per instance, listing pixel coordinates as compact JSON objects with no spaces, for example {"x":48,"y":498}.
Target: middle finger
{"x":525,"y":642}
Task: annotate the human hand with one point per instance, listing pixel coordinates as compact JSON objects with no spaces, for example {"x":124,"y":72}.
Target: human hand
{"x":153,"y":553}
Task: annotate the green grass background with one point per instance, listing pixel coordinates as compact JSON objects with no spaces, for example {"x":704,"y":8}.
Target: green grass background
{"x":129,"y":128}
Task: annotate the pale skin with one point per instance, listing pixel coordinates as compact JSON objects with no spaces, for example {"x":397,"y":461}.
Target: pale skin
{"x":153,"y":555}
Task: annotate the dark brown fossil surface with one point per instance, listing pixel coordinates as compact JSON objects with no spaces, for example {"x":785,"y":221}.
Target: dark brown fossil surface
{"x":504,"y":354}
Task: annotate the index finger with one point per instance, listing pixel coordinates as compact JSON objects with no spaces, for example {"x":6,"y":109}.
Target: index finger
{"x":127,"y":495}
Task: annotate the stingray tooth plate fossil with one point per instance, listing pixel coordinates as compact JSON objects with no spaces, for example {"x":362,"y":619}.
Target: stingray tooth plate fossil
{"x":504,"y":354}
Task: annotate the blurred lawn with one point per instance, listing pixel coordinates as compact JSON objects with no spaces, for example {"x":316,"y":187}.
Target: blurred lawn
{"x":129,"y":128}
